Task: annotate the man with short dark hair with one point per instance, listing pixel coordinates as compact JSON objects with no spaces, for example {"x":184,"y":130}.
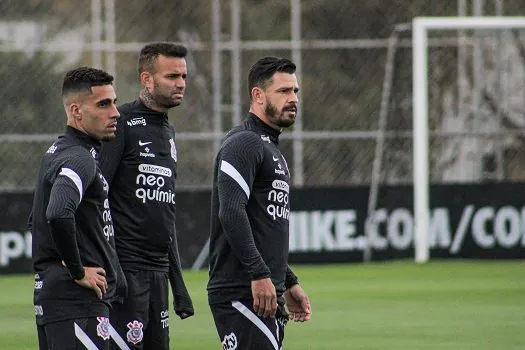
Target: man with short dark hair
{"x":74,"y":254}
{"x":141,"y":168}
{"x":250,"y":281}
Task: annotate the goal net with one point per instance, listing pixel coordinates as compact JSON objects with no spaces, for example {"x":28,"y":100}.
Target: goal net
{"x":467,"y":106}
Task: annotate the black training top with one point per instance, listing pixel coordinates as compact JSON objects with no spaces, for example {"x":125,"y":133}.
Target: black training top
{"x":140,"y":166}
{"x":71,"y":225}
{"x":249,"y":214}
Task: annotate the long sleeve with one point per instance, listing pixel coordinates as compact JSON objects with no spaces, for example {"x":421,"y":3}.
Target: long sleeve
{"x":66,"y":194}
{"x":291,"y":278}
{"x":181,"y":297}
{"x":239,"y":159}
{"x":122,"y":284}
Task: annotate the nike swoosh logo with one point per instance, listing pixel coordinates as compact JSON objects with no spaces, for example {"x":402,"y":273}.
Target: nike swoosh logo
{"x":275,"y":159}
{"x":144,"y":143}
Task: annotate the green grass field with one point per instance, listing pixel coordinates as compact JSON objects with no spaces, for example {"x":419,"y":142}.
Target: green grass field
{"x":396,"y":305}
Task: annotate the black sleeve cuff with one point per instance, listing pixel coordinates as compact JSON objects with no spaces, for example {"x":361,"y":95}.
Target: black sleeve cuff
{"x":291,"y":279}
{"x":77,"y":275}
{"x":260,"y":271}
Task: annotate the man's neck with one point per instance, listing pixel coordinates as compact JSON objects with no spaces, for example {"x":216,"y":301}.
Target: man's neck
{"x":264,"y":118}
{"x":149,"y":102}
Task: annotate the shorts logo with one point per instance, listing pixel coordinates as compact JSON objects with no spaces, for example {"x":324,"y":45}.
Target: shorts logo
{"x":165,"y":319}
{"x":135,"y":334}
{"x":103,"y":327}
{"x":229,"y":342}
{"x":38,"y":283}
{"x":39,"y":311}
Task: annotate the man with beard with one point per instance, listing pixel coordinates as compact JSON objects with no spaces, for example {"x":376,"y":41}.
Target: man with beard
{"x":250,"y":281}
{"x":141,"y":168}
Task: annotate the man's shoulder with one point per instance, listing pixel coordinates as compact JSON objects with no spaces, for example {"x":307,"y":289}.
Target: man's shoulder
{"x":242,"y":140}
{"x":131,"y":117}
{"x":69,"y":148}
{"x":242,"y":134}
{"x":130,"y":113}
{"x":69,"y":155}
{"x":79,"y":155}
{"x":126,"y":109}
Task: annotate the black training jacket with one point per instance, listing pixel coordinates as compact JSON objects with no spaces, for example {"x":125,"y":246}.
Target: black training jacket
{"x":71,"y":226}
{"x":250,"y":213}
{"x":141,"y":168}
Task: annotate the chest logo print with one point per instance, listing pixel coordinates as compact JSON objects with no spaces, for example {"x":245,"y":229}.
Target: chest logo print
{"x":147,"y":150}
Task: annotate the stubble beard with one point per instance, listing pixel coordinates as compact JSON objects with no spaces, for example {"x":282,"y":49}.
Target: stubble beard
{"x":108,"y":138}
{"x":157,"y":101}
{"x":271,"y":112}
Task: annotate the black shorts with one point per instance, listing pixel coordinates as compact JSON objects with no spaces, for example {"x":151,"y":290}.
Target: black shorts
{"x":57,"y":297}
{"x":83,"y":333}
{"x":142,"y":321}
{"x":239,"y":326}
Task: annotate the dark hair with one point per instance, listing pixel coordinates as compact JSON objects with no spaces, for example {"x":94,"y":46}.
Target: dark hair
{"x":263,"y":70}
{"x":82,"y":79}
{"x":150,"y":52}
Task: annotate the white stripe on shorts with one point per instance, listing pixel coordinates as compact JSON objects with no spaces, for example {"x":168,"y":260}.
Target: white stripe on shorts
{"x":118,"y":339}
{"x":256,"y":321}
{"x":84,"y":338}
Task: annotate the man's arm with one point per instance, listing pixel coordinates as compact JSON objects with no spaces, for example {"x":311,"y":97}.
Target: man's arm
{"x":66,"y":194}
{"x":296,"y":299}
{"x":77,"y":172}
{"x":122,"y":284}
{"x":109,"y":161}
{"x":181,"y":298}
{"x":239,"y":159}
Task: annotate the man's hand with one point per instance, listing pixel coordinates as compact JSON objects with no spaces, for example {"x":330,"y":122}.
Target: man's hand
{"x":184,"y":309}
{"x":95,"y":279}
{"x":264,"y":297}
{"x":184,"y":315}
{"x":297,"y":303}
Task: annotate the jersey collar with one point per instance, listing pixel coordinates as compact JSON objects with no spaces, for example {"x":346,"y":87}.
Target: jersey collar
{"x":263,"y":128}
{"x":86,"y":140}
{"x":147,"y":112}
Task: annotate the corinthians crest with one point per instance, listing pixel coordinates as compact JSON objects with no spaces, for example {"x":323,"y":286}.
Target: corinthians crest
{"x":103,"y":327}
{"x":135,"y":333}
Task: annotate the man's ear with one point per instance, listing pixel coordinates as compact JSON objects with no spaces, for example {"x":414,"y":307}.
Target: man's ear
{"x":146,"y":79}
{"x":74,"y":111}
{"x":257,"y":95}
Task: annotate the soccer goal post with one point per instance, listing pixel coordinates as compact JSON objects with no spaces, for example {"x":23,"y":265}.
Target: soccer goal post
{"x":420,"y":28}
